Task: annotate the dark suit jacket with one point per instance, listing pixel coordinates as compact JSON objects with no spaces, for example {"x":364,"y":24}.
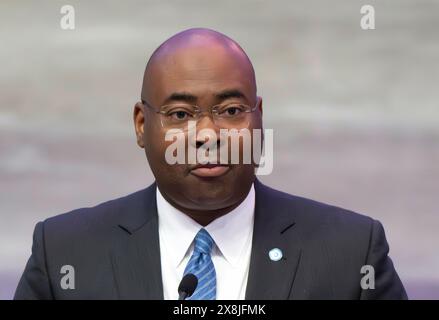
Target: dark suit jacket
{"x":114,"y":250}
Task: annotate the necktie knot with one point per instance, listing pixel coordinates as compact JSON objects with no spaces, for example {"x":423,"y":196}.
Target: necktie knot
{"x":203,"y":242}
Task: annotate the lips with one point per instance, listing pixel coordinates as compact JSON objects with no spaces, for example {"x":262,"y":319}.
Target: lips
{"x":209,"y":170}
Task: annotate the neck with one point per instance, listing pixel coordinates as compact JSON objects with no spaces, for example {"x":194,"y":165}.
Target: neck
{"x":203,"y":217}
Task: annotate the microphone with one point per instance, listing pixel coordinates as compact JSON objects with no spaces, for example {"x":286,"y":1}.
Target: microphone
{"x":187,"y":286}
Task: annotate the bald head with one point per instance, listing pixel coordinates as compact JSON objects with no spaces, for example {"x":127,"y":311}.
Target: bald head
{"x":197,"y":59}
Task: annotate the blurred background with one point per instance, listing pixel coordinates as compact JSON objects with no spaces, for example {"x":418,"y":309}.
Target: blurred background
{"x":355,"y":112}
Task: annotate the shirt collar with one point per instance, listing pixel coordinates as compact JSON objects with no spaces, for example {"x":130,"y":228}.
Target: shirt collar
{"x":231,"y":232}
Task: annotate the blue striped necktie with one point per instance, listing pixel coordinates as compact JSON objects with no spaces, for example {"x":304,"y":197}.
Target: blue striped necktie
{"x":201,"y":265}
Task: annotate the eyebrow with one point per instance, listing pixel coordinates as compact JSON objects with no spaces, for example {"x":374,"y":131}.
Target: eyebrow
{"x":230,"y":93}
{"x":181,"y":96}
{"x":190,"y":98}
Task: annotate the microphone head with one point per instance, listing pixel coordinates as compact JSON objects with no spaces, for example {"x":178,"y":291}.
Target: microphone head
{"x":188,"y":284}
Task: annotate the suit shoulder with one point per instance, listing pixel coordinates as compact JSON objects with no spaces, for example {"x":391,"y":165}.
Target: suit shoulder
{"x":309,"y":211}
{"x":103,"y":215}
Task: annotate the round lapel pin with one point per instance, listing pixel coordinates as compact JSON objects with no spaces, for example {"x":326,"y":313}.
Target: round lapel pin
{"x":275,"y":254}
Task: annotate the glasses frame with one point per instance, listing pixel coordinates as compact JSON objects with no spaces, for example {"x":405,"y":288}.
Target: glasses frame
{"x":198,"y":111}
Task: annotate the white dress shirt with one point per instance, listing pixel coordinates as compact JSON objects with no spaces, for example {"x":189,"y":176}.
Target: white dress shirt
{"x":232,"y":233}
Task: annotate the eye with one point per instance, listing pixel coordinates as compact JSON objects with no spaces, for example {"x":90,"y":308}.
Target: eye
{"x":231,"y":110}
{"x":179,"y":115}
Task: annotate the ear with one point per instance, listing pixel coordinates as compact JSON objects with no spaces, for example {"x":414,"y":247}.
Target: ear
{"x":139,"y":122}
{"x":260,"y":104}
{"x":261,"y":111}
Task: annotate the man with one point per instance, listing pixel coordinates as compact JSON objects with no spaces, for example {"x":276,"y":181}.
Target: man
{"x":240,"y":238}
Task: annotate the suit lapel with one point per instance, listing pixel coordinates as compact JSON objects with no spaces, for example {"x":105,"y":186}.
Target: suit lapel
{"x":273,"y":228}
{"x":136,"y":251}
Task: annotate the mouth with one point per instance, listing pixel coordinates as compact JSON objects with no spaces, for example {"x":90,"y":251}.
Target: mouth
{"x":209,"y":170}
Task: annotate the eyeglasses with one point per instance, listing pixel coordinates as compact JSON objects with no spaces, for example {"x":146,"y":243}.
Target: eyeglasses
{"x":228,"y":116}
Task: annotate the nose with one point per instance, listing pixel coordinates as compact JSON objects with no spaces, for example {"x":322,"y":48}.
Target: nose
{"x":207,"y":132}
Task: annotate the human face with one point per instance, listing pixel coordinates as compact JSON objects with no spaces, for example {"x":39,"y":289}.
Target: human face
{"x":204,"y":75}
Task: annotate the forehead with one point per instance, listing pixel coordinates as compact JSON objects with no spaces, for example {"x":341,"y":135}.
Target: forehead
{"x":201,"y":70}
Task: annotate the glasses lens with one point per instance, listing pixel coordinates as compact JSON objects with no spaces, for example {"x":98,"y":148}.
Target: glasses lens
{"x":177,"y":115}
{"x":232,"y":116}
